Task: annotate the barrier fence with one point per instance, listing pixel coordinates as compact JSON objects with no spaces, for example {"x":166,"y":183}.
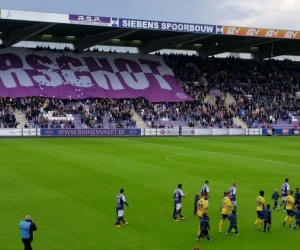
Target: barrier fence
{"x":11,"y":132}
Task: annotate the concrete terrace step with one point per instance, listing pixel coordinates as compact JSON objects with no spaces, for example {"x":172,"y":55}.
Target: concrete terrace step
{"x":139,"y":121}
{"x":210,"y":98}
{"x":20,"y":117}
{"x":229,"y":99}
{"x":240,"y":122}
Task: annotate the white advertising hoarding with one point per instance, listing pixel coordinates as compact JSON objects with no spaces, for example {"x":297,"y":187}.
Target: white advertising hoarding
{"x":29,"y":132}
{"x":10,"y":132}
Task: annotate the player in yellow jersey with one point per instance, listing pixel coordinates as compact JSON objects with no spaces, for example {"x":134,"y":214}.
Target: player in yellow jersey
{"x":260,"y":206}
{"x":201,"y":206}
{"x":225,"y":210}
{"x":290,"y":206}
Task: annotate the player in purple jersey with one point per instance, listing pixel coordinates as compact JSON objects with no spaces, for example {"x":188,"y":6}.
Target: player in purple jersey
{"x":232,"y":196}
{"x":121,"y":200}
{"x":285,"y":188}
{"x":205,"y":191}
{"x":178,"y":195}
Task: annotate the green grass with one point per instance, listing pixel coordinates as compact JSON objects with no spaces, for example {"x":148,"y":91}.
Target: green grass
{"x":69,"y":187}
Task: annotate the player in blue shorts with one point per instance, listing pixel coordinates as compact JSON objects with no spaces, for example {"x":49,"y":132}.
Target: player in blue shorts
{"x":178,"y":195}
{"x":120,"y":208}
{"x":233,"y":223}
{"x":275,"y":197}
{"x":297,"y":218}
{"x":267,"y":218}
{"x":204,"y":228}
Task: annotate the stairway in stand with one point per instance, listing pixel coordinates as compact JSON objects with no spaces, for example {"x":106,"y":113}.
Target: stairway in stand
{"x":139,"y":121}
{"x":229,"y":99}
{"x":20,"y":118}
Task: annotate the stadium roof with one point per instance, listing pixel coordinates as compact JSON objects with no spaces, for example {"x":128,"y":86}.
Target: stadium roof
{"x":148,"y":36}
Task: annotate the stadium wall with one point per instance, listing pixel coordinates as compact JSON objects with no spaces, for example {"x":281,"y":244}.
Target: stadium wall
{"x":142,"y":132}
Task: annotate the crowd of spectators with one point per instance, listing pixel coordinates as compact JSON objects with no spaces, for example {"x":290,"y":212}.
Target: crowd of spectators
{"x":95,"y":113}
{"x":36,"y":108}
{"x":263,"y":94}
{"x":7,"y":117}
{"x":92,"y":113}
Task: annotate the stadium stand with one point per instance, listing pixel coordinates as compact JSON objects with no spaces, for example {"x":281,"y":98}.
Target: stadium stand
{"x":264,"y":95}
{"x":228,"y":92}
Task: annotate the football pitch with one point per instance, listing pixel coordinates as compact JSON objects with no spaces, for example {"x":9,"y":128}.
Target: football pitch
{"x":69,"y":186}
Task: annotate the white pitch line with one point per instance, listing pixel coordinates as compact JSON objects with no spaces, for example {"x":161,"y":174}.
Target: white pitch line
{"x":194,"y":165}
{"x":210,"y":152}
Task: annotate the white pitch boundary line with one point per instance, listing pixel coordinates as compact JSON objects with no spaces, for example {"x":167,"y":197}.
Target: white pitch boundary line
{"x":211,"y":152}
{"x":204,"y":166}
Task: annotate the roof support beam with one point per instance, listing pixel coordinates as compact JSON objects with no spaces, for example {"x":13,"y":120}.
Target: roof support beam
{"x":25,"y":33}
{"x":280,"y":50}
{"x":234,"y":46}
{"x":158,"y":44}
{"x":101,"y":38}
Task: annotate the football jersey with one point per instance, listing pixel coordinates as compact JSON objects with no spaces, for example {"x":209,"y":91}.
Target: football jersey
{"x":201,"y":207}
{"x":226,"y":204}
{"x":260,"y":203}
{"x":120,"y":201}
{"x":178,"y":194}
{"x":205,"y":189}
{"x":232,"y":191}
{"x":284,"y":189}
{"x":290,"y":201}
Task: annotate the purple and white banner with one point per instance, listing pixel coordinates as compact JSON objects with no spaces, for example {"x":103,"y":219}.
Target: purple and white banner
{"x":94,"y":20}
{"x":78,"y":76}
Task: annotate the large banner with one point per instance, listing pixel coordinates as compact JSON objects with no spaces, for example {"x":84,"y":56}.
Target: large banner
{"x":90,"y":132}
{"x":25,"y":72}
{"x":167,"y":26}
